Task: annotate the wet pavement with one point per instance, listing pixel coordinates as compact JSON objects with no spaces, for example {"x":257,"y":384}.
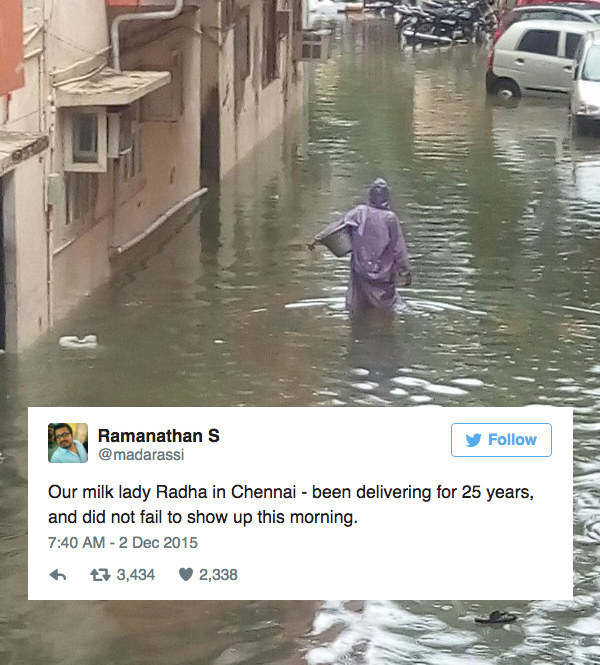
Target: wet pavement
{"x":225,"y":306}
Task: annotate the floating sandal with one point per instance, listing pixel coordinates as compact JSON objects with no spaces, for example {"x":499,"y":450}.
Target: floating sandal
{"x":497,"y":618}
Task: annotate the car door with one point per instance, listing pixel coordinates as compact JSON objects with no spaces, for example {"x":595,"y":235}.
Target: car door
{"x":574,"y":100}
{"x":571,"y":44}
{"x":537,"y":61}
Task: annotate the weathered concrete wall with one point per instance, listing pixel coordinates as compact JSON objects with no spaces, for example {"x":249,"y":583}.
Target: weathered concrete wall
{"x":73,"y":273}
{"x":25,"y":237}
{"x":125,"y":208}
{"x":171,"y":150}
{"x":80,"y":268}
{"x":77,"y":41}
{"x":25,"y":243}
{"x":77,"y":29}
{"x":264,"y":109}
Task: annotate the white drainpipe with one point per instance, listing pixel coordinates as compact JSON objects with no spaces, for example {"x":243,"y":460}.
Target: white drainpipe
{"x":141,"y":16}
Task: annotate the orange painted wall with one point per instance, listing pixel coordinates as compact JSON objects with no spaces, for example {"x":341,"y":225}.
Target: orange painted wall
{"x":11,"y":46}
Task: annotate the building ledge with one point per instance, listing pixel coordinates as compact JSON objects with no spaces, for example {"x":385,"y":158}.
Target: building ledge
{"x":110,"y":88}
{"x":16,"y":147}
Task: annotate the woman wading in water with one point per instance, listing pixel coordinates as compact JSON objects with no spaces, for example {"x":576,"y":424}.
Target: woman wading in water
{"x":379,"y":254}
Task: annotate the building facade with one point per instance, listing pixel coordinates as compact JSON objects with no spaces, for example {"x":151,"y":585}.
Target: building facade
{"x":114,"y":114}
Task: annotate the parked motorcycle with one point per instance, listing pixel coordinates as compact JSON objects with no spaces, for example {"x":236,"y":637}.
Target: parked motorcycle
{"x":445,"y":23}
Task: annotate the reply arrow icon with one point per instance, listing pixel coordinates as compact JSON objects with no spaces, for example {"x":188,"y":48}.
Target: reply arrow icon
{"x":55,"y":575}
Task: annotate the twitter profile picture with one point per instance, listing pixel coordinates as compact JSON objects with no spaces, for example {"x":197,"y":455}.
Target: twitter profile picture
{"x":67,"y":443}
{"x":473,"y":439}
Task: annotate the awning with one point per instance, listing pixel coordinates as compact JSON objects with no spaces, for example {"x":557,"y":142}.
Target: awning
{"x":16,"y":147}
{"x":111,"y":88}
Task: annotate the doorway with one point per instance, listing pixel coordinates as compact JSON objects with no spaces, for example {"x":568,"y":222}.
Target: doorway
{"x":210,"y":96}
{"x":210,"y":145}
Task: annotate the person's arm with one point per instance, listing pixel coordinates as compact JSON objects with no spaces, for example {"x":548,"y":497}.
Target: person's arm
{"x":401,"y":261}
{"x":347,"y":219}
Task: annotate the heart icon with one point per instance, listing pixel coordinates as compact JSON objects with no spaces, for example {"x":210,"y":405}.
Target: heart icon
{"x":185,"y":573}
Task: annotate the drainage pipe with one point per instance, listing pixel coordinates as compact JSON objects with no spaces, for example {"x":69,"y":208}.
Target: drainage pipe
{"x":141,"y":16}
{"x":161,"y":220}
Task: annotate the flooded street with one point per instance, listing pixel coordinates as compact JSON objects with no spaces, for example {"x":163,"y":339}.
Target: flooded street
{"x":225,"y":306}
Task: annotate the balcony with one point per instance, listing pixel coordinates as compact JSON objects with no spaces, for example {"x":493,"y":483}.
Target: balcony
{"x":16,"y":147}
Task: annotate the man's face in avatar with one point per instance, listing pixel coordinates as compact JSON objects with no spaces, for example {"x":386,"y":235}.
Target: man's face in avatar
{"x":64,"y":438}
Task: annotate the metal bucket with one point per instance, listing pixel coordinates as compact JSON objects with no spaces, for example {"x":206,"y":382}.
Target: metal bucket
{"x":336,"y":237}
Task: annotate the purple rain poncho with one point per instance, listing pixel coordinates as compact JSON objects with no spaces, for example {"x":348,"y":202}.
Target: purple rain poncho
{"x":379,"y":252}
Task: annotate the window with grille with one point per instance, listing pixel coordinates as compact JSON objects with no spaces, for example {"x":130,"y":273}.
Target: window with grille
{"x":81,"y":193}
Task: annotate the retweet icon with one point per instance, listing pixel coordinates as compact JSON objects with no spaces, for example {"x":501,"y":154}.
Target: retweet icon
{"x":472,"y":441}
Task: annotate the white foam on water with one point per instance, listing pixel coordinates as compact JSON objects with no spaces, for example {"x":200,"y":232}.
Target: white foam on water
{"x":468,"y":382}
{"x":587,"y":427}
{"x":354,"y":632}
{"x":410,"y":381}
{"x":446,"y":640}
{"x":315,"y":302}
{"x":587,"y":626}
{"x":568,"y":389}
{"x":440,"y":389}
{"x":366,"y":386}
{"x":591,"y":530}
{"x":440,"y":306}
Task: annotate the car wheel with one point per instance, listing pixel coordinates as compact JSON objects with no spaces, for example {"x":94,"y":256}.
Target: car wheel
{"x":507,"y":89}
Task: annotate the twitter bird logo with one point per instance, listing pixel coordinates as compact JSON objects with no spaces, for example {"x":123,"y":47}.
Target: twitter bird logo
{"x":472,"y":441}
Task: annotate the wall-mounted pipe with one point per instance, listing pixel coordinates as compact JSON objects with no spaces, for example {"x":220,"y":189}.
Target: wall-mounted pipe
{"x":119,"y":249}
{"x":141,"y":16}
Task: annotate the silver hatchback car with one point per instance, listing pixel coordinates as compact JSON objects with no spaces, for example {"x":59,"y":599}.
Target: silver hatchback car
{"x":585,"y":90}
{"x":534,"y":57}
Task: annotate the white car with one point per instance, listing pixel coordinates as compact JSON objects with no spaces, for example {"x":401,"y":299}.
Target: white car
{"x":585,"y":91}
{"x":535,"y":57}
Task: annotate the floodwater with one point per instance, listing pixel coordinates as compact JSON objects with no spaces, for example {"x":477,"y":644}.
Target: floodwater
{"x":225,"y":306}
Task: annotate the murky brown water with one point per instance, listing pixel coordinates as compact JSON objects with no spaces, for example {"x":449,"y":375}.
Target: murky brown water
{"x":226,"y":307}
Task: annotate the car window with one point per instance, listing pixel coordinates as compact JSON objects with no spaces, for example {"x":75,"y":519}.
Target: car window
{"x":567,"y":16}
{"x":545,"y":14}
{"x":595,"y":16}
{"x":539,"y":41}
{"x":571,"y":45}
{"x":591,"y":65}
{"x":540,"y":14}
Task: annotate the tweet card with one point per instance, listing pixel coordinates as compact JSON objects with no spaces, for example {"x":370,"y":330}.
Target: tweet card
{"x":300,"y":503}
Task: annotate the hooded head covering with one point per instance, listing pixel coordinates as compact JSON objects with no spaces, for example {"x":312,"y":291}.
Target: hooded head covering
{"x":379,"y":194}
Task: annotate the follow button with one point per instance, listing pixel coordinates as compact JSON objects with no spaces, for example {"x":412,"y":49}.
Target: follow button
{"x":501,"y":439}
